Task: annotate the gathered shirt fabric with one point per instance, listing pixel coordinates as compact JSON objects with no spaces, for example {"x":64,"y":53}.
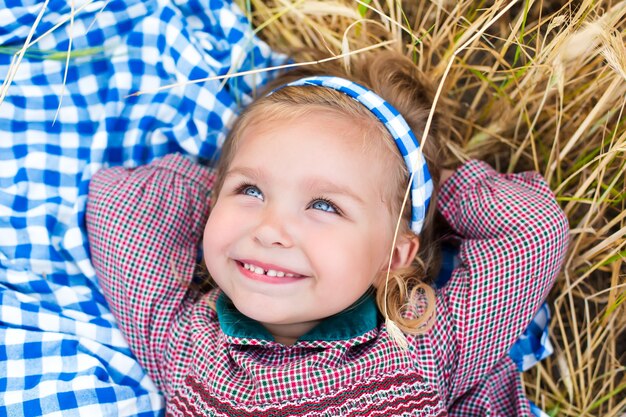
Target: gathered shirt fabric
{"x":145,"y":227}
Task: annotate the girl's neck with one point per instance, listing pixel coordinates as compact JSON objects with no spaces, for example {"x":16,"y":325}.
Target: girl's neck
{"x":287,"y":334}
{"x":287,"y":341}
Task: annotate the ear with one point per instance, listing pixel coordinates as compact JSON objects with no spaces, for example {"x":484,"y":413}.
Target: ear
{"x":403,"y":254}
{"x":406,"y":248}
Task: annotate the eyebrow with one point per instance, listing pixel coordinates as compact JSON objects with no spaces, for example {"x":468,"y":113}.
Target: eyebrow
{"x":317,"y":184}
{"x":252,"y":173}
{"x":324,"y":186}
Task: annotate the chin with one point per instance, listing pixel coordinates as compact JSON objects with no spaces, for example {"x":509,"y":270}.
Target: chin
{"x":268,"y":315}
{"x":262,"y":312}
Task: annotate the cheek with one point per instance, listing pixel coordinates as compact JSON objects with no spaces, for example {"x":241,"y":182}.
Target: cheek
{"x":376,"y":249}
{"x":352,"y":255}
{"x":218,"y":233}
{"x":209,"y":246}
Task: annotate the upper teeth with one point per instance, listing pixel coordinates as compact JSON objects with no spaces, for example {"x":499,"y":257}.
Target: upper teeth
{"x":269,"y":272}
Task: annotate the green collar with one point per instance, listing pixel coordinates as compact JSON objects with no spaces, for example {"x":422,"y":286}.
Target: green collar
{"x":358,"y":319}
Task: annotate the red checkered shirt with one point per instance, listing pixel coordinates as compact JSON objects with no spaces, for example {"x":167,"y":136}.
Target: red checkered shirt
{"x":145,"y":227}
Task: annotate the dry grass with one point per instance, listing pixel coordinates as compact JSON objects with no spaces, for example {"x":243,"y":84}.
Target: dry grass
{"x":541,"y":86}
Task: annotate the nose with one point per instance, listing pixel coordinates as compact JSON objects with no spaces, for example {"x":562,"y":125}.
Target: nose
{"x":272,"y":230}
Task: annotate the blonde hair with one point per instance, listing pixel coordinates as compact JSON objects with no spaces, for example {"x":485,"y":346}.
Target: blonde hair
{"x":407,"y":299}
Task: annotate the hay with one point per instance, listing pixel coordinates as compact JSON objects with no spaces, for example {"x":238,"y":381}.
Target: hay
{"x":541,"y":87}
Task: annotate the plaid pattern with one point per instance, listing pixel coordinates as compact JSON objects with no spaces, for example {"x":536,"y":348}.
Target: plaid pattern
{"x":534,"y":344}
{"x":510,"y":234}
{"x":144,"y":228}
{"x":60,"y":349}
{"x":421,"y":184}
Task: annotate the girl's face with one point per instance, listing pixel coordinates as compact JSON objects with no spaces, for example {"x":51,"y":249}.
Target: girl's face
{"x":301,"y":227}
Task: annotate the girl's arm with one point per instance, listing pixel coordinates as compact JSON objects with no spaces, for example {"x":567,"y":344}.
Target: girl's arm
{"x":144,"y":228}
{"x":514,"y":240}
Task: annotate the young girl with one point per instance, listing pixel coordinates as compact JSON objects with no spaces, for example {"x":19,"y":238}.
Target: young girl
{"x":298,"y":236}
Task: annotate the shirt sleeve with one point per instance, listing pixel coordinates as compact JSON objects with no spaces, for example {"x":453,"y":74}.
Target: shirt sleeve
{"x":144,"y":227}
{"x":514,"y":239}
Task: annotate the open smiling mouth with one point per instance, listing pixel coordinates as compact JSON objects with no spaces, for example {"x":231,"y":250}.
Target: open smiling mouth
{"x":257,"y":272}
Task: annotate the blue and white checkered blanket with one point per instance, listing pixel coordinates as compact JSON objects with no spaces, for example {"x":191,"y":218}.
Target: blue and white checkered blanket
{"x":60,"y":350}
{"x":59,"y":346}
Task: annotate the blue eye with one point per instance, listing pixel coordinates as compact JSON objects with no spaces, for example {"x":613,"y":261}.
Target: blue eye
{"x":324,"y":205}
{"x":252,"y":191}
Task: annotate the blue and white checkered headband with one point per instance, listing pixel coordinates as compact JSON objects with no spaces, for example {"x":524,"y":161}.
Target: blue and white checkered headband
{"x":422,"y":184}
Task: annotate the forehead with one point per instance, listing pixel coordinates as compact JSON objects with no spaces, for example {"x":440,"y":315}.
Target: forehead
{"x":315,"y":127}
{"x":358,"y":128}
{"x":336,"y":145}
